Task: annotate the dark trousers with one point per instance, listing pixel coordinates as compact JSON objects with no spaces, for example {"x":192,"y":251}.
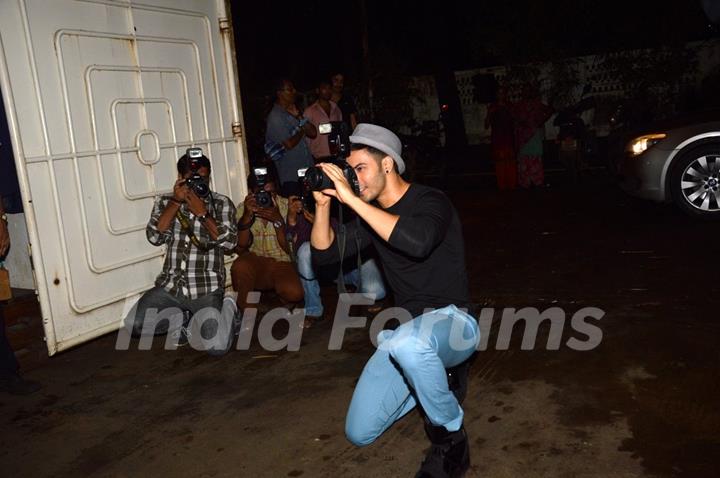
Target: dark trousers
{"x":158,"y":312}
{"x":8,"y":363}
{"x":251,"y":272}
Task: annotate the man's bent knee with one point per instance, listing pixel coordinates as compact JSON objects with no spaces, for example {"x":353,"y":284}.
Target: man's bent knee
{"x":357,"y":436}
{"x":304,"y":252}
{"x":291,"y":293}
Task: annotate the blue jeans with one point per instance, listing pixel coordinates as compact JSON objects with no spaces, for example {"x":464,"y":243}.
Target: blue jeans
{"x":409,"y":367}
{"x":372,"y":283}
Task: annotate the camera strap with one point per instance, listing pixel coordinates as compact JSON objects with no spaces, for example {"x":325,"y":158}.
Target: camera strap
{"x":342,"y":243}
{"x":185,"y":223}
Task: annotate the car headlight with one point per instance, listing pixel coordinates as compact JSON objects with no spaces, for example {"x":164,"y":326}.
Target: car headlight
{"x":641,"y":144}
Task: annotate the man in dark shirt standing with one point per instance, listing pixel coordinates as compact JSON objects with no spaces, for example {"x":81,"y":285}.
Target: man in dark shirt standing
{"x":344,"y":101}
{"x":418,"y":237}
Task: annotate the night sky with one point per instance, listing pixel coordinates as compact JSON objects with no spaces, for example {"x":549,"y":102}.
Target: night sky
{"x":308,"y":39}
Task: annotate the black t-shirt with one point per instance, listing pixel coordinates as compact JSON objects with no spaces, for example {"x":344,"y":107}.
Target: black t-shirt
{"x":424,"y":259}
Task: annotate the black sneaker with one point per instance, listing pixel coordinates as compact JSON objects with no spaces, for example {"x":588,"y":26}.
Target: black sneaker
{"x":449,"y":455}
{"x":16,"y":385}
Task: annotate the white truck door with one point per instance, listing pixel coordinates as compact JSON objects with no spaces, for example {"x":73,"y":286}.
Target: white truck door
{"x":102,"y":97}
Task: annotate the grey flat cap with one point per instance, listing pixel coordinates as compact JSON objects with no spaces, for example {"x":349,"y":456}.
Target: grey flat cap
{"x":379,"y":138}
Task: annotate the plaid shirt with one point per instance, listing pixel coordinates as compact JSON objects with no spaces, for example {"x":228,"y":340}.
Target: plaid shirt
{"x":265,"y":242}
{"x":189,"y":272}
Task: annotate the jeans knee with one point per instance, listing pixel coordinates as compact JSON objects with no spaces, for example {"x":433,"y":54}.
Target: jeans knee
{"x":357,"y":436}
{"x":304,"y":260}
{"x":304,"y":252}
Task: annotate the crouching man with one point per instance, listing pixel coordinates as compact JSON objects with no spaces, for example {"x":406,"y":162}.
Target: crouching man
{"x":198,"y":227}
{"x":418,"y":238}
{"x":264,"y":262}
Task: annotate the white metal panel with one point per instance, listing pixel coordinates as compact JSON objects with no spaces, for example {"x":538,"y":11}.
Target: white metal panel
{"x":103,"y":97}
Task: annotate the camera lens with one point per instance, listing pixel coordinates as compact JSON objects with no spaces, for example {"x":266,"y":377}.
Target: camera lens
{"x":263,"y":199}
{"x":198,"y":185}
{"x":316,"y":180}
{"x":202,"y":189}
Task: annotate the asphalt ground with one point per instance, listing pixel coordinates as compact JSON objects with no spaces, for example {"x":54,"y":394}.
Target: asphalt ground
{"x":643,"y":402}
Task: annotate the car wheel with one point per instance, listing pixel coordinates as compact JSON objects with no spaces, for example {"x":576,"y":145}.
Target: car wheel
{"x":695,"y":182}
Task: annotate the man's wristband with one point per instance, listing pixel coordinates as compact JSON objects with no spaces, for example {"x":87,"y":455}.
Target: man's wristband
{"x":243,"y":227}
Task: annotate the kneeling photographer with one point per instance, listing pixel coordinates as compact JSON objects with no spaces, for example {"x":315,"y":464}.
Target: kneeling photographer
{"x":418,"y":237}
{"x":198,"y":227}
{"x":264,"y":261}
{"x":362,"y":272}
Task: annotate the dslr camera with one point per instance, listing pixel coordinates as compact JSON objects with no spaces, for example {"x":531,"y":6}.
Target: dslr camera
{"x":306,"y":196}
{"x":197,"y":184}
{"x":339,"y":142}
{"x":262,"y":197}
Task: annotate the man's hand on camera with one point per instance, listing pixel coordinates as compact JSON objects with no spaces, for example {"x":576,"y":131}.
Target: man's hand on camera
{"x":249,"y":209}
{"x":271,"y":214}
{"x":343,"y":192}
{"x":180,"y":190}
{"x":195,"y":204}
{"x":321,"y":199}
{"x":250,"y":205}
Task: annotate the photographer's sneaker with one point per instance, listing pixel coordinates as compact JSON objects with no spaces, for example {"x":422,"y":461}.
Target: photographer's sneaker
{"x":227,"y":328}
{"x":181,"y":337}
{"x":230,"y":306}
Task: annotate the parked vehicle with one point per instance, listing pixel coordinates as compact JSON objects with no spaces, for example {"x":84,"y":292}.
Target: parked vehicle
{"x":676,"y":161}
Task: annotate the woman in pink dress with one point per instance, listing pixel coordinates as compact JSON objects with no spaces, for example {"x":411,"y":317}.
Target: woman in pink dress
{"x":530,"y":114}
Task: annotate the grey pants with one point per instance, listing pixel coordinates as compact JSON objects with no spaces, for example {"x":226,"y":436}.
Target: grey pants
{"x":205,"y":319}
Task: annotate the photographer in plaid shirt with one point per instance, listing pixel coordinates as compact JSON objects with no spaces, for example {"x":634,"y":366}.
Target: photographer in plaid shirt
{"x":198,"y":232}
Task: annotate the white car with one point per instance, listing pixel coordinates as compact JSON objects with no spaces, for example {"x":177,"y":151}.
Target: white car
{"x":678,"y":162}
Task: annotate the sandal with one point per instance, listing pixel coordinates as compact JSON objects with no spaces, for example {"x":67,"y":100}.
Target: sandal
{"x":310,"y":321}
